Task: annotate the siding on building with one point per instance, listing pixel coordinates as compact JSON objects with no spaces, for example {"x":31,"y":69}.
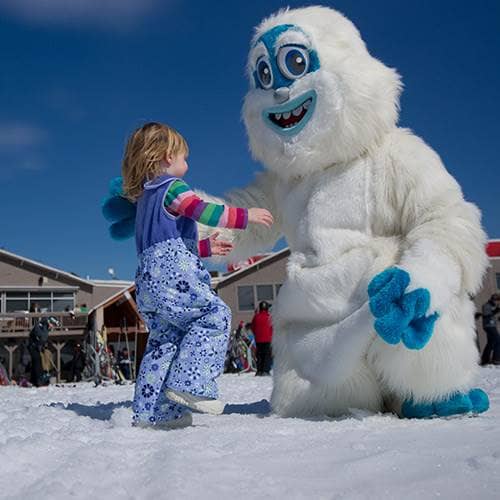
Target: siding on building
{"x":27,"y":275}
{"x":101,"y":293}
{"x":18,"y":273}
{"x":268,"y":271}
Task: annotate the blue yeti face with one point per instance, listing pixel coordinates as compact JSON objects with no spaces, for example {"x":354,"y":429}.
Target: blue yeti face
{"x":278,"y":66}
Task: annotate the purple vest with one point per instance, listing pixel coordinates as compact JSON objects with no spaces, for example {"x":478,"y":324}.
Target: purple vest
{"x":154,"y":224}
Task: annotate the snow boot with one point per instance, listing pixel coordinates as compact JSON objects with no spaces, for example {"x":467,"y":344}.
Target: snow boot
{"x":178,"y":423}
{"x":197,"y":403}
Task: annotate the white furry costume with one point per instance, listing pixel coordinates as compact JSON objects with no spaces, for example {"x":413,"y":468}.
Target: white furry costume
{"x":353,"y":195}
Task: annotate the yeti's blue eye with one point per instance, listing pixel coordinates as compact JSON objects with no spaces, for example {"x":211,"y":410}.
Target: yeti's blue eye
{"x":293,"y":61}
{"x":264,"y":73}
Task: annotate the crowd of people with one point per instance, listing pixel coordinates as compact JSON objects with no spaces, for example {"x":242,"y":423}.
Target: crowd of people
{"x":37,"y":368}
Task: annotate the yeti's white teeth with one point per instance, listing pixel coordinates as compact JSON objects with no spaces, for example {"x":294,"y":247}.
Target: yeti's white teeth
{"x":289,"y":119}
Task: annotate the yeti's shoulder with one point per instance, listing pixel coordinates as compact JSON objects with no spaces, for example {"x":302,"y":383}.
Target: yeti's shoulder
{"x":407,"y":162}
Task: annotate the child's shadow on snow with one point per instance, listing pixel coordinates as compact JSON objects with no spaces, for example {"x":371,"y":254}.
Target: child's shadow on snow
{"x":101,"y":411}
{"x":104,"y":411}
{"x":261,"y":408}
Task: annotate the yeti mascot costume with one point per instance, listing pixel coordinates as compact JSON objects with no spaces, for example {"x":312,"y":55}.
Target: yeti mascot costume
{"x":375,"y":312}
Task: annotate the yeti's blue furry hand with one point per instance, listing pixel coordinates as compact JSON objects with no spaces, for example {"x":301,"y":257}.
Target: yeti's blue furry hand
{"x":399,"y":315}
{"x":120,"y":211}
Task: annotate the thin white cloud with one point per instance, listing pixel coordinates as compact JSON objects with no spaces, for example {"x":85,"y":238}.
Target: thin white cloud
{"x":20,"y":145}
{"x":14,"y":136}
{"x":30,"y":164}
{"x":114,"y":13}
{"x":14,"y":164}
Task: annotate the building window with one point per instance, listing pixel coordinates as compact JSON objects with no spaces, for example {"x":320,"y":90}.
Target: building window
{"x":41,"y":300}
{"x":246,"y":300}
{"x":265,"y":292}
{"x":45,"y":301}
{"x":62,"y":301}
{"x":498,"y":281}
{"x":16,"y":302}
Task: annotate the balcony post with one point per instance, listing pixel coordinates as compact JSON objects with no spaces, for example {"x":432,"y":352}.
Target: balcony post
{"x":10,"y":349}
{"x":58,"y":346}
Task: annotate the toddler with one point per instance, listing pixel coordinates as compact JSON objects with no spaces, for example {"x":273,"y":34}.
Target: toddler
{"x":188,"y":323}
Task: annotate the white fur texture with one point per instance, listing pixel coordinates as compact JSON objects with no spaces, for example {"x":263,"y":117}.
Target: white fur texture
{"x":353,"y":195}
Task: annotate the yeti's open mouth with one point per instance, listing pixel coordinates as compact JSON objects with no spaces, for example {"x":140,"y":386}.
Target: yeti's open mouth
{"x":291,"y":117}
{"x":287,"y":119}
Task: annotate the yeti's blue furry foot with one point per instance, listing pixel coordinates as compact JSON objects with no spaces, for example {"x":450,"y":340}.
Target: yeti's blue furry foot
{"x":480,"y":400}
{"x":417,"y":410}
{"x":400,"y":316}
{"x":476,"y":401}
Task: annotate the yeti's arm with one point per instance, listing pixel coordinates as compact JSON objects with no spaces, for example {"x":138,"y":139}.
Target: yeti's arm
{"x":256,"y":238}
{"x":443,"y":242}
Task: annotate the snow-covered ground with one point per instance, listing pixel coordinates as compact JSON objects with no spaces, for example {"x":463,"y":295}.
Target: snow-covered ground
{"x":77,"y":442}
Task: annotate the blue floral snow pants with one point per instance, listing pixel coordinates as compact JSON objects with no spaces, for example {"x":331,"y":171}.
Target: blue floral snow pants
{"x":188,"y":330}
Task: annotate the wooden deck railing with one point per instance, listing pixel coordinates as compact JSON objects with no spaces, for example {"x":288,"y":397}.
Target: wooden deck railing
{"x":24,"y":322}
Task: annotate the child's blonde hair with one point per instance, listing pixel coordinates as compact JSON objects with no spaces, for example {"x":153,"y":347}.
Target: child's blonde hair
{"x":145,"y":150}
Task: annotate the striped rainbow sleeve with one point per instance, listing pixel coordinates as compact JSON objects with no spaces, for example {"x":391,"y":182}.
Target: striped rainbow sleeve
{"x":181,"y":200}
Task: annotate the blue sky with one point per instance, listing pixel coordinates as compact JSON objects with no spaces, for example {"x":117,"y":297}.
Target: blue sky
{"x":77,"y":77}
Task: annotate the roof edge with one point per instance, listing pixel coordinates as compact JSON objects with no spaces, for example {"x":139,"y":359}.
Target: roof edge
{"x":112,"y":298}
{"x":255,"y":266}
{"x":44,"y":266}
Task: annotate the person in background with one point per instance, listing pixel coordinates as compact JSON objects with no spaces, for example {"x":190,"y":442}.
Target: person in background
{"x":37,"y":339}
{"x":251,"y":347}
{"x":4,"y":377}
{"x":477,"y":317}
{"x":47,"y":363}
{"x":124,"y":362}
{"x":263,"y":331}
{"x":232,"y":362}
{"x":78,"y":363}
{"x":34,"y":308}
{"x":490,"y":311}
{"x":25,"y":360}
{"x":70,"y":311}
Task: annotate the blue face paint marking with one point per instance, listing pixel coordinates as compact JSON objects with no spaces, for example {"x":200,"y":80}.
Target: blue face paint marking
{"x":273,"y":116}
{"x":269,"y":39}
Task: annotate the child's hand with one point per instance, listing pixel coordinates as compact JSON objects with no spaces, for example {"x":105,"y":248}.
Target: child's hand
{"x":260,"y":216}
{"x":219,"y":247}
